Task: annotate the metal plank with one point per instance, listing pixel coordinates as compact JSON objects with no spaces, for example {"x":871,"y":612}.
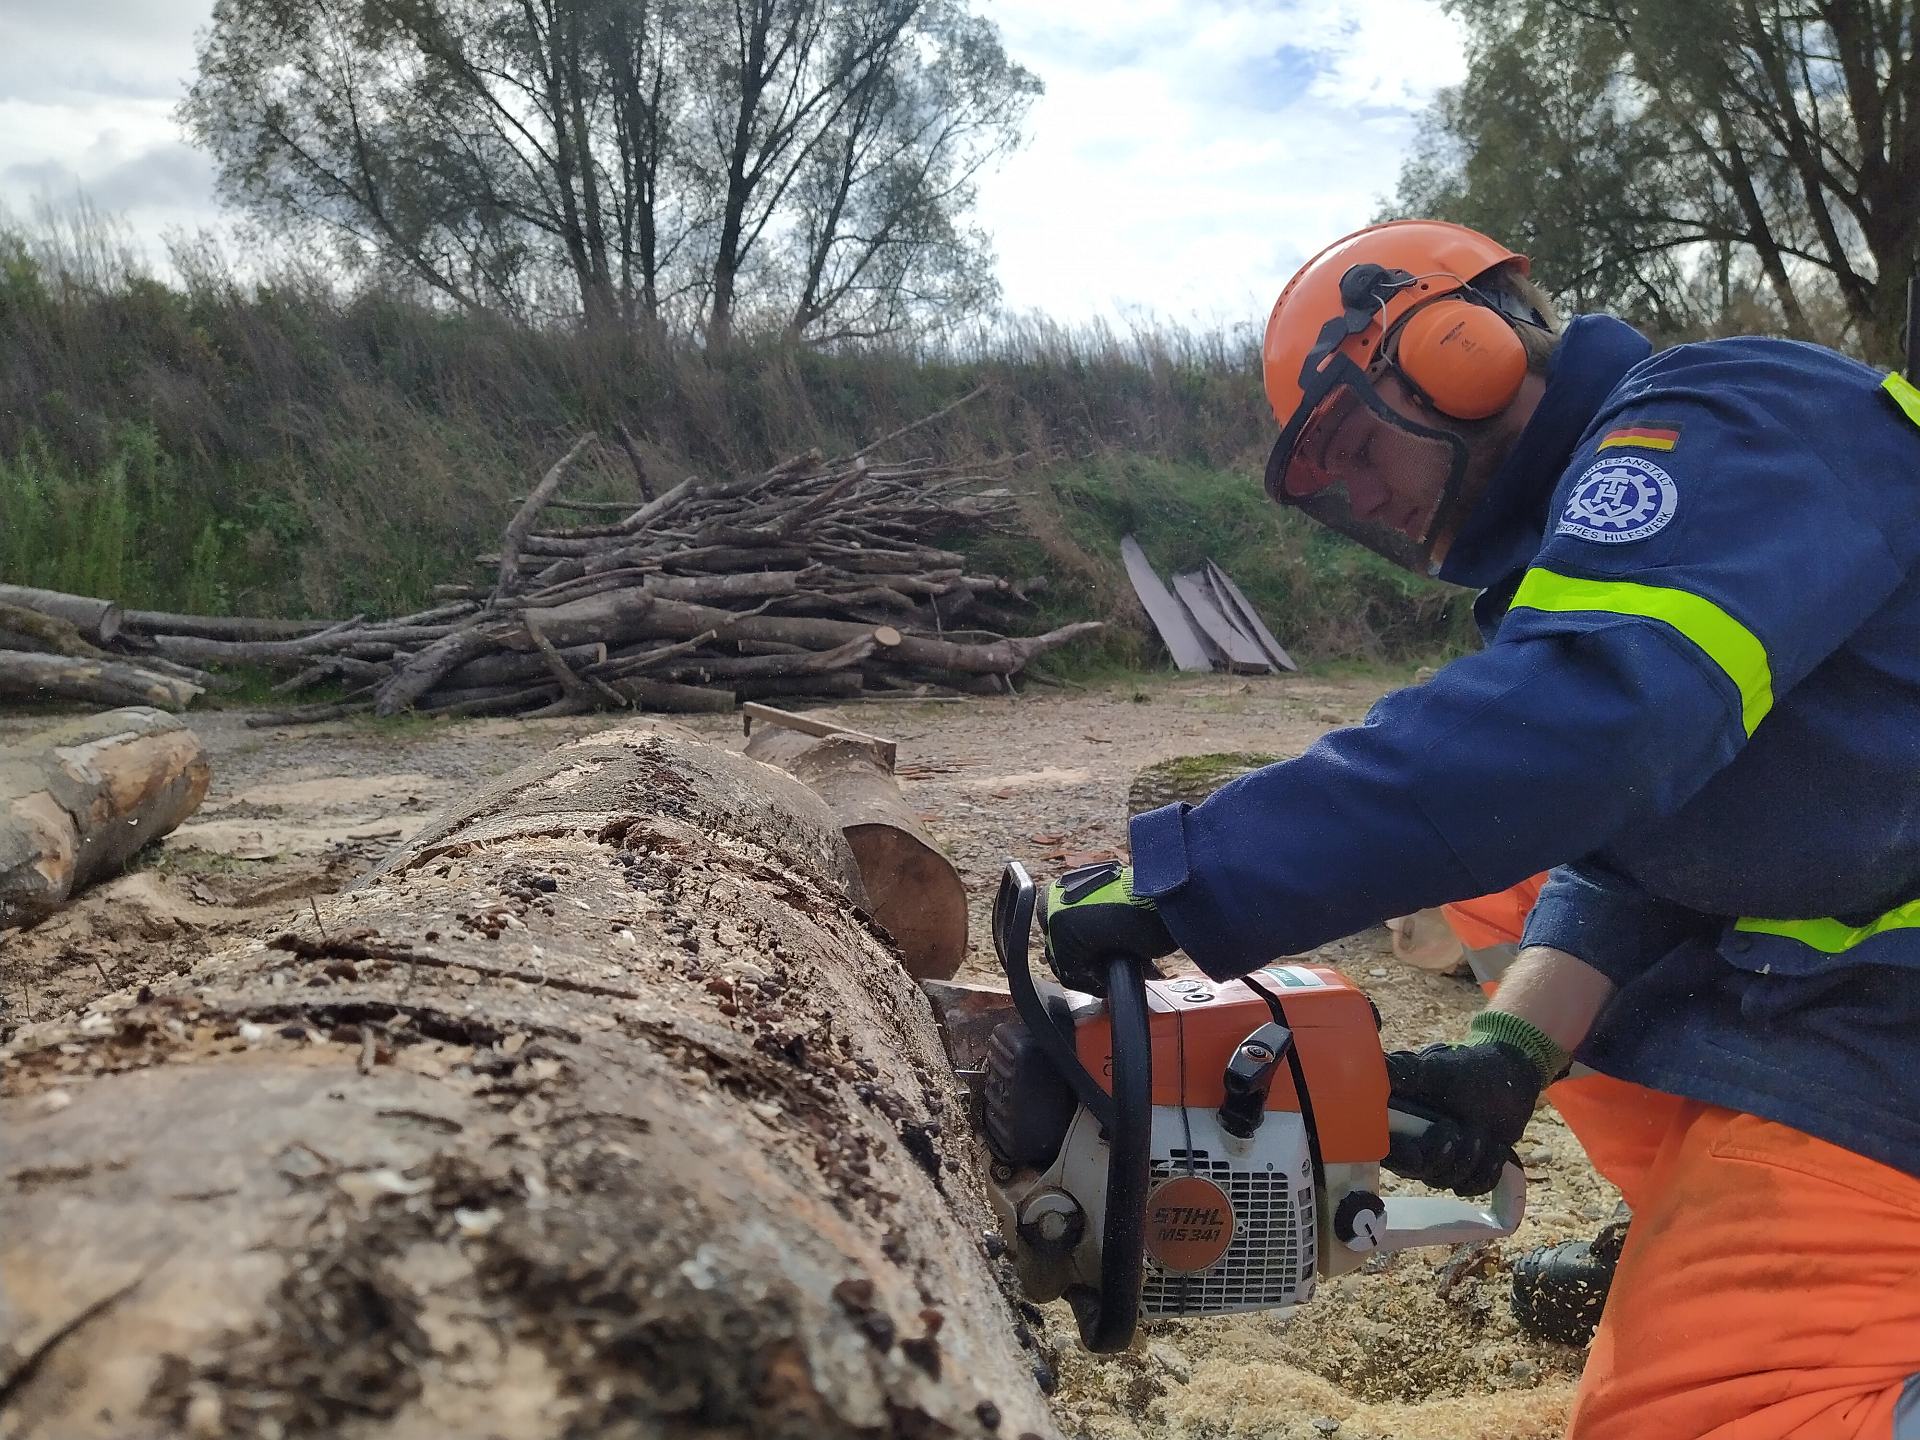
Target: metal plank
{"x":1251,"y":617}
{"x":1242,"y":651}
{"x":1182,"y":640}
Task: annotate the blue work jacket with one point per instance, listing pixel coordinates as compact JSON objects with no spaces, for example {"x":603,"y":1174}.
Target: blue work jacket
{"x":1700,"y":700}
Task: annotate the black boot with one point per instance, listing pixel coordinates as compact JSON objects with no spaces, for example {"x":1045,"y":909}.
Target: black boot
{"x":1560,"y":1290}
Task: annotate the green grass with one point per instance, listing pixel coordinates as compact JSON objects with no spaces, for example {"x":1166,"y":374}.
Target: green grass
{"x":132,"y":527}
{"x":1324,"y":599}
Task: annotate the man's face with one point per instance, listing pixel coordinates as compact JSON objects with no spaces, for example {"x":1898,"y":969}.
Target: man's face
{"x":1391,"y":475}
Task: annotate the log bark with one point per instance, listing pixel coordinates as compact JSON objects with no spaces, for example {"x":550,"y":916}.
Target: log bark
{"x":674,"y":1153}
{"x":98,"y":620}
{"x":103,"y":684}
{"x":77,"y":801}
{"x":918,"y":896}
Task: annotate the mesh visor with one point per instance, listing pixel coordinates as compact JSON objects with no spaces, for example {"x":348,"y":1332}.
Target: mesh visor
{"x":1374,"y":476}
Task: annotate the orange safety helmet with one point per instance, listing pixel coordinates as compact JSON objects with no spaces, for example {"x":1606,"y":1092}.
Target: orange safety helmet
{"x":1394,"y":298}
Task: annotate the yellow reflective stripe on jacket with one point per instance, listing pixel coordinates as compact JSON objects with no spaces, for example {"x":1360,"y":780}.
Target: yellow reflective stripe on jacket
{"x":1834,"y":936}
{"x":1904,"y":395}
{"x":1723,"y":639}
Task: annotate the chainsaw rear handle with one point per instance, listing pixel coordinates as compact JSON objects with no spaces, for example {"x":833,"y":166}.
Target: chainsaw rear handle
{"x":1108,"y":1316}
{"x":1412,"y":1220}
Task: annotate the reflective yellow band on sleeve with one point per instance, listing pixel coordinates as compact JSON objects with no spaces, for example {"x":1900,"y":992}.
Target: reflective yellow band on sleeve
{"x":1723,"y":639}
{"x":1904,"y":394}
{"x":1835,"y":936}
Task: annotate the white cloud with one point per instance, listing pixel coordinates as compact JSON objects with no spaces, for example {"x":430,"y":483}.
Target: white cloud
{"x":1187,"y":156}
{"x":87,"y":91}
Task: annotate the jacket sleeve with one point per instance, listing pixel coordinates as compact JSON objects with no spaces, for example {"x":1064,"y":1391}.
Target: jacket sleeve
{"x":1678,"y":594}
{"x":1603,"y":918}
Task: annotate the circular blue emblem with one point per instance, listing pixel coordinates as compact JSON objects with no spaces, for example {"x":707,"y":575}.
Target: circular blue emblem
{"x":1619,"y":500}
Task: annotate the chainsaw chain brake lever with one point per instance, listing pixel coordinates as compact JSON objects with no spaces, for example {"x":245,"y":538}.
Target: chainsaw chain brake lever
{"x":1412,"y":1220}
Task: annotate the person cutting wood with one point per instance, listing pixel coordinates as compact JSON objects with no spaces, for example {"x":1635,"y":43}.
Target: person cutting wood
{"x":1700,"y":708}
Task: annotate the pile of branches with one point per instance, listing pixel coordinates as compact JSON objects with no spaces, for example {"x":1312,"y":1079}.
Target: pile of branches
{"x":814,"y":578}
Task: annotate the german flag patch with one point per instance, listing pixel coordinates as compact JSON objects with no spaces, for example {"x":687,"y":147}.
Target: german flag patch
{"x":1641,"y":437}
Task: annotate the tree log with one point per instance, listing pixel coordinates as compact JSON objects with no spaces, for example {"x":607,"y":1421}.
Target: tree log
{"x":671,"y":1152}
{"x":221,"y":627}
{"x":269,"y":654}
{"x":917,"y":894}
{"x":843,"y":685}
{"x":24,"y":629}
{"x":103,"y":684}
{"x":668,"y":698}
{"x":786,"y":663}
{"x":511,"y":665}
{"x":78,"y":800}
{"x":98,"y":620}
{"x":673,"y":619}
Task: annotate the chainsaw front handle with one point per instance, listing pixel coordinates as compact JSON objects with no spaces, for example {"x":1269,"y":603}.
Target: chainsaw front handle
{"x":1109,"y":1315}
{"x":1413,"y":1220}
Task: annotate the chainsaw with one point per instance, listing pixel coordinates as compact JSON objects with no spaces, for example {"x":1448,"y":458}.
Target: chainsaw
{"x":1187,"y":1146}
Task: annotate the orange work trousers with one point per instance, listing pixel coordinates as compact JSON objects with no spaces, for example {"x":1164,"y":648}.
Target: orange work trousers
{"x":1769,"y":1290}
{"x":1770,"y":1284}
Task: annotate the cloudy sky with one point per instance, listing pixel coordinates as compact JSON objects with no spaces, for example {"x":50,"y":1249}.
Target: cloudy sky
{"x":1188,"y":154}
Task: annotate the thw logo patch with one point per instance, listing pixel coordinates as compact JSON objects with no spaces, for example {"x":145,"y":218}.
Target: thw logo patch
{"x":1619,"y":500}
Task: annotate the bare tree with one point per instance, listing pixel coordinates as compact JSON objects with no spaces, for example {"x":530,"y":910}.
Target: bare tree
{"x":1678,"y":154}
{"x":640,"y":162}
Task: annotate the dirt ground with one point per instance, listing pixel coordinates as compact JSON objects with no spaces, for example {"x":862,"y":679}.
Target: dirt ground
{"x":1420,"y":1347}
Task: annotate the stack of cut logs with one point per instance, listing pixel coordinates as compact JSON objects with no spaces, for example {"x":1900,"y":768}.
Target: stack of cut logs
{"x":813,"y":578}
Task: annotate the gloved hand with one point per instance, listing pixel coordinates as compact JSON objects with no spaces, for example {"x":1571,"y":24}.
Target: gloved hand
{"x":1091,"y":914}
{"x":1479,"y":1097}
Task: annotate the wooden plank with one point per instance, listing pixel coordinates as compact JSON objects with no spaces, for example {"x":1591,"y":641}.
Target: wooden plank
{"x":1177,"y":631}
{"x":1250,"y":617}
{"x":807,"y":725}
{"x":1242,"y":651}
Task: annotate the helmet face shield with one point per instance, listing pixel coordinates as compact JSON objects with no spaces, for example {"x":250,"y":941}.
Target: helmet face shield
{"x":1359,"y":467}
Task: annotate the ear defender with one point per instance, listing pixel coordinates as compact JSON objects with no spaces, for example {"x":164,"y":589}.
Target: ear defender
{"x":1464,"y":357}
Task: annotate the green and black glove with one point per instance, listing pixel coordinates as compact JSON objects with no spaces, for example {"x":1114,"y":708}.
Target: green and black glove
{"x":1090,"y":915}
{"x":1478,"y":1096}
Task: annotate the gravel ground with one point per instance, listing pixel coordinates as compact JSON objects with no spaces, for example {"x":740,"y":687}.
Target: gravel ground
{"x":302,"y":811}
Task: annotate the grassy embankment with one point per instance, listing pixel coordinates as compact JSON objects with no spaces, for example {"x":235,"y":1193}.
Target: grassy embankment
{"x":281,"y":448}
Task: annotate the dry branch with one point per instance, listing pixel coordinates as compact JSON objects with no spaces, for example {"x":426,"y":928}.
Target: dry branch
{"x":522,"y":524}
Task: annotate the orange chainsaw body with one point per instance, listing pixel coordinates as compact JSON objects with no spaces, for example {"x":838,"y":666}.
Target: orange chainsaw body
{"x":1196,"y":1024}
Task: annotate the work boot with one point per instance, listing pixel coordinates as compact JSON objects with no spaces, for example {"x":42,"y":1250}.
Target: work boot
{"x":1560,"y":1290}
